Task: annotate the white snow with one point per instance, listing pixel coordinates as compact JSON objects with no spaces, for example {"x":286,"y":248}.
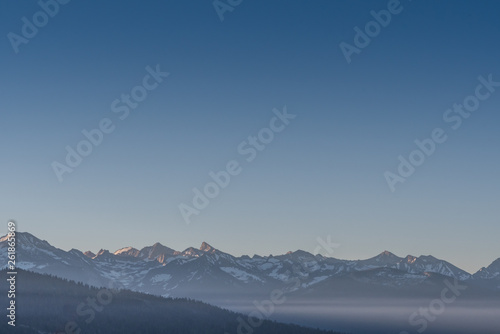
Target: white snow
{"x":240,"y":274}
{"x":314,"y":281}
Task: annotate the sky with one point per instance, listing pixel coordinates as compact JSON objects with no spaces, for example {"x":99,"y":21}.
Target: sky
{"x":321,"y":173}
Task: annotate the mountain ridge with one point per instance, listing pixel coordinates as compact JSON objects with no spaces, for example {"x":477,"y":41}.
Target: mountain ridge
{"x":206,"y":273}
{"x":384,"y":256}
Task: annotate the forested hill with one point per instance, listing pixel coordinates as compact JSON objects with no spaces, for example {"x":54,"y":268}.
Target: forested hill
{"x":46,"y":304}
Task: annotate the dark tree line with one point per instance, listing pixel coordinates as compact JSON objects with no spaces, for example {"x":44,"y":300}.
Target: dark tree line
{"x":46,"y":304}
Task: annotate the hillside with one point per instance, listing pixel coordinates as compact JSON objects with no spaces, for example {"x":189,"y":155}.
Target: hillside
{"x":47,"y":304}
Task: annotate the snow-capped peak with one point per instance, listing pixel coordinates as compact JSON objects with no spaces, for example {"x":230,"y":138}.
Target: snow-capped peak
{"x":89,"y":254}
{"x":410,"y":259}
{"x":127,"y":251}
{"x":102,"y":252}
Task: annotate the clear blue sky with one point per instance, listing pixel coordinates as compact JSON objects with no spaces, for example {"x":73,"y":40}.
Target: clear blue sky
{"x":322,"y":175}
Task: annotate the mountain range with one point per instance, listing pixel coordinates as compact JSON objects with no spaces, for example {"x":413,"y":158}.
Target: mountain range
{"x":208,"y":274}
{"x":320,"y":292}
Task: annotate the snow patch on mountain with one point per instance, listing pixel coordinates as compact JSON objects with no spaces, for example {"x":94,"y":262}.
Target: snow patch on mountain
{"x":240,"y":274}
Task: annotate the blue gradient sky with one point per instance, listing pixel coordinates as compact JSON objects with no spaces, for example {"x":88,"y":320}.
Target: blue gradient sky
{"x":322,"y":176}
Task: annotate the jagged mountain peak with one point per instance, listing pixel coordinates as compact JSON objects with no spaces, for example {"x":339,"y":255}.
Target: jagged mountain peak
{"x":384,"y":257}
{"x":428,"y":258}
{"x":495,"y":264}
{"x":410,"y":259}
{"x":89,"y":254}
{"x":301,"y":252}
{"x":206,"y":247}
{"x":387,"y":253}
{"x":103,"y":252}
{"x":27,"y":239}
{"x":492,"y":271}
{"x":158,"y":247}
{"x":298,"y":254}
{"x":191,"y":251}
{"x":156,"y":252}
{"x":131,"y":251}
